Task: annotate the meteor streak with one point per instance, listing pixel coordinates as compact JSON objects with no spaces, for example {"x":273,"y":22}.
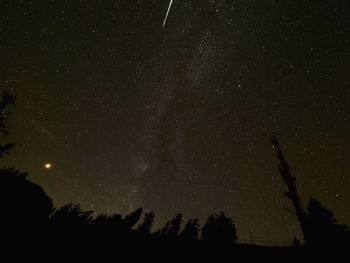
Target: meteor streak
{"x":167,"y":13}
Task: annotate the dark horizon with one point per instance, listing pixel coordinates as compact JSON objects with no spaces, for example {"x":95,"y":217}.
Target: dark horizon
{"x":128,"y":114}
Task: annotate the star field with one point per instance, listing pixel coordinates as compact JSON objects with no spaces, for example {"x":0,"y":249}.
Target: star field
{"x":178,"y":119}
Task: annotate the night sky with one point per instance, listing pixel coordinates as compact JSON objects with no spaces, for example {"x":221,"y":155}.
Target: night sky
{"x":178,"y":119}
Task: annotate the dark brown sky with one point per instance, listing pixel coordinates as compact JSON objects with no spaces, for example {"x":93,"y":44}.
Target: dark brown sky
{"x":179,"y":119}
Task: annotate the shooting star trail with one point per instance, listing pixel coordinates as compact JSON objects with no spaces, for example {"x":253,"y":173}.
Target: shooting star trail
{"x":167,"y":13}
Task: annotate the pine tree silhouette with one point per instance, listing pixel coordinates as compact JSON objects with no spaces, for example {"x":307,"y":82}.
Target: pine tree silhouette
{"x":323,"y":228}
{"x":190,"y":233}
{"x":71,"y":215}
{"x":145,"y":227}
{"x":219,"y":229}
{"x":111,"y":221}
{"x":131,"y":219}
{"x":174,"y":227}
{"x":162,"y":232}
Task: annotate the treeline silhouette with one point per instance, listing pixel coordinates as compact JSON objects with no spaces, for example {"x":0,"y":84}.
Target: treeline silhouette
{"x":27,"y":211}
{"x":26,"y":206}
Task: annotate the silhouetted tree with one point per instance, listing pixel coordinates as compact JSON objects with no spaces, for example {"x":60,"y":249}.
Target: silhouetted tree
{"x":219,"y":229}
{"x":131,"y":219}
{"x":174,"y":227}
{"x":71,"y":215}
{"x":145,"y":227}
{"x":323,"y":229}
{"x":296,"y":242}
{"x":190,"y":233}
{"x":7,"y":99}
{"x":162,"y":233}
{"x":110,"y":221}
{"x":23,"y":203}
{"x":109,"y":226}
{"x":209,"y":228}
